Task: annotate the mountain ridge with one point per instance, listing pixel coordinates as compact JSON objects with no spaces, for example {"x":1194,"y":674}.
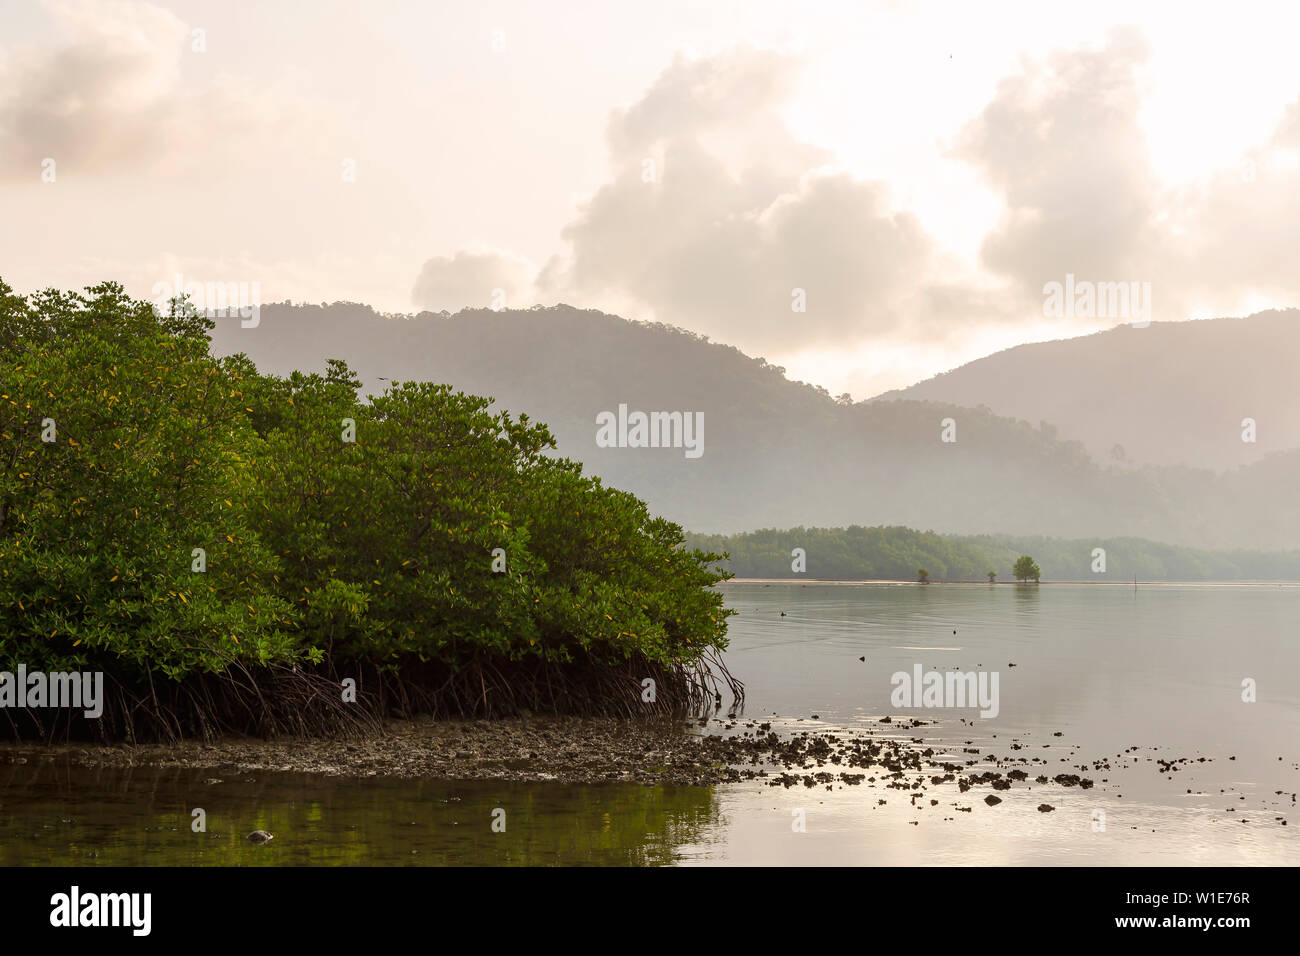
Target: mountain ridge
{"x":778,"y":452}
{"x":1141,"y":395}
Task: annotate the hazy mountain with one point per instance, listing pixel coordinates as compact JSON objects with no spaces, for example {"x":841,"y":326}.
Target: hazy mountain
{"x":776,"y":452}
{"x":1173,"y":393}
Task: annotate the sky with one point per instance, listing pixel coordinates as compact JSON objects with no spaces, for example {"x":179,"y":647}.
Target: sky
{"x":866,"y":194}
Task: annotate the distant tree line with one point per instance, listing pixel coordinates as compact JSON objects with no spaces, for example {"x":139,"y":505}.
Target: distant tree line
{"x":896,"y":554}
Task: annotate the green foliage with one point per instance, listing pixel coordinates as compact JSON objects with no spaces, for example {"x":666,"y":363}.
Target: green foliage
{"x":1025,"y":569}
{"x":378,"y":549}
{"x":151,"y":458}
{"x":894,"y":554}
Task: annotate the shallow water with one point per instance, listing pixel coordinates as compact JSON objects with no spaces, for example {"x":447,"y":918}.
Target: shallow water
{"x":1159,"y":669}
{"x":60,"y":815}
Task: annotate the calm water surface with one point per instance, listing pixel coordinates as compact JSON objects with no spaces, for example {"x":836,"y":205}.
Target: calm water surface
{"x":1123,"y":676}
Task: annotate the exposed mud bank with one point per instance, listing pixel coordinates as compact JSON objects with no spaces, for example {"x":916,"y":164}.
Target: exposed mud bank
{"x":570,"y":749}
{"x":891,"y":757}
{"x":592,"y":750}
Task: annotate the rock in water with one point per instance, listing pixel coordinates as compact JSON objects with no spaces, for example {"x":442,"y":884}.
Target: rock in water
{"x":260,"y":836}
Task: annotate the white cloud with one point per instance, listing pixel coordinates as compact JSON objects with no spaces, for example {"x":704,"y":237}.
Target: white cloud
{"x":734,"y":215}
{"x":109,"y":98}
{"x":474,"y":280}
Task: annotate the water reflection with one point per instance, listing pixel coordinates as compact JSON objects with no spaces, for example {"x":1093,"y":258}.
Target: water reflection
{"x":1104,"y":681}
{"x":54,"y":813}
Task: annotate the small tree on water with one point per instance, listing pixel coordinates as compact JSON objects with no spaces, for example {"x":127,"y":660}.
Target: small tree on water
{"x":1026,"y":569}
{"x":923,"y":576}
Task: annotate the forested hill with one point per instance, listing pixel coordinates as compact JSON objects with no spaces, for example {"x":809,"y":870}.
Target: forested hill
{"x":776,"y":452}
{"x":897,"y":554}
{"x":1173,"y":393}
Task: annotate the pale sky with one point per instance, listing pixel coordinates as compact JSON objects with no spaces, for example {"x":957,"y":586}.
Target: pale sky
{"x":920,"y":170}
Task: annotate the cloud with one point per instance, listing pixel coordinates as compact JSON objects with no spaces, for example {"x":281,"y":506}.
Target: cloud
{"x":110,"y":98}
{"x":1234,"y":240}
{"x":719,"y":220}
{"x":737,"y":94}
{"x":1287,"y":135}
{"x":474,"y":280}
{"x":1062,"y":143}
{"x":715,"y":215}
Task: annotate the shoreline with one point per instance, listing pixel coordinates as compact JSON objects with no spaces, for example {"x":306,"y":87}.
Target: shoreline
{"x":932,"y":582}
{"x":538,"y":748}
{"x":572,"y":750}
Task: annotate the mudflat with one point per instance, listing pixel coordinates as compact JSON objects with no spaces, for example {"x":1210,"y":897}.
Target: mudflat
{"x":568,"y":749}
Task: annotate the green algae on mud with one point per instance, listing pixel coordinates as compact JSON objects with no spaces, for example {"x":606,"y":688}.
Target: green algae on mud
{"x":60,"y":813}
